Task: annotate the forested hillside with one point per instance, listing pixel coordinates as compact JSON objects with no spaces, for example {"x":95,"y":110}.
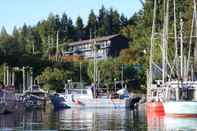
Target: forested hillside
{"x":37,"y":41}
{"x":41,"y":38}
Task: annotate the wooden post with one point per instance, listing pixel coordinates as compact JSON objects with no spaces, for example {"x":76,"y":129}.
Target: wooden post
{"x":7,"y":72}
{"x":13,"y":79}
{"x":27,"y":79}
{"x":31,"y":78}
{"x":23,"y":79}
{"x":4,"y":76}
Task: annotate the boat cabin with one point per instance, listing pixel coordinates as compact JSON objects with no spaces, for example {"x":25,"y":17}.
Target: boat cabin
{"x":186,"y":91}
{"x":79,"y":93}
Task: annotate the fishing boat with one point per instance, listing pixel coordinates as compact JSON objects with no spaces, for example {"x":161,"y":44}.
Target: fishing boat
{"x":7,"y":100}
{"x":181,"y":93}
{"x":87,"y":98}
{"x":177,"y":90}
{"x":154,"y":103}
{"x":35,"y":98}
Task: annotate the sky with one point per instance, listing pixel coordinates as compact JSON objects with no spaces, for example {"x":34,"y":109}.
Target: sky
{"x":17,"y":12}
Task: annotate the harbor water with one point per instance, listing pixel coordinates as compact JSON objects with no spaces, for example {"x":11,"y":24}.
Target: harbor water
{"x":92,"y":120}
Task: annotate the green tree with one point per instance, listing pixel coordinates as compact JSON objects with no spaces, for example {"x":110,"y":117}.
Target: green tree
{"x":54,"y":78}
{"x":9,"y":46}
{"x":3,"y":32}
{"x":123,"y":20}
{"x":115,"y":26}
{"x":79,"y":28}
{"x":91,"y":24}
{"x":108,"y":70}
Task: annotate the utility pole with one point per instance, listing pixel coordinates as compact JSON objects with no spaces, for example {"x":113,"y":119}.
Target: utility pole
{"x":57,"y":45}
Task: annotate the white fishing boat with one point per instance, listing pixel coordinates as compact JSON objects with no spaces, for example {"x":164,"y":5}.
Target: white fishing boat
{"x":177,"y":88}
{"x":180,"y":95}
{"x":87,"y":98}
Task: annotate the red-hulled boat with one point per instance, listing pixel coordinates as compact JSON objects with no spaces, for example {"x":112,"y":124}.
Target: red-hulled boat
{"x":155,"y":108}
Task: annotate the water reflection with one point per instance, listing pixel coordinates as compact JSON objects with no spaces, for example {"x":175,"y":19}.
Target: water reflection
{"x":100,"y":119}
{"x":75,"y":119}
{"x":166,"y":123}
{"x":25,"y":120}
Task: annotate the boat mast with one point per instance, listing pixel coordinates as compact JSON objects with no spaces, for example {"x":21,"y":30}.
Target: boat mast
{"x":94,"y":48}
{"x":94,"y":63}
{"x":152,"y":45}
{"x":150,"y":70}
{"x":175,"y":39}
{"x":181,"y":46}
{"x":190,"y":42}
{"x":195,"y":46}
{"x":165,"y":41}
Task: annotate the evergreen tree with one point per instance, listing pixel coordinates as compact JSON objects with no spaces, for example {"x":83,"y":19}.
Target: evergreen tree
{"x":71,"y":30}
{"x":3,"y":32}
{"x":79,"y":28}
{"x":101,"y":20}
{"x":115,"y":22}
{"x":92,"y":24}
{"x":64,"y":28}
{"x":123,"y":20}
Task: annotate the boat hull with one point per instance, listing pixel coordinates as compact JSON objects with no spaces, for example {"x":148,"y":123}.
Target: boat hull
{"x":99,"y":103}
{"x":58,"y":102}
{"x":155,"y":108}
{"x":61,"y":101}
{"x":181,"y":108}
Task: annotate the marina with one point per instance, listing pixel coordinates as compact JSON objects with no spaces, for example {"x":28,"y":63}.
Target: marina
{"x":121,"y":66}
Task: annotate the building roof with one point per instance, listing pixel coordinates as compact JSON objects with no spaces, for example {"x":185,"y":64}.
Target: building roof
{"x":105,"y":38}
